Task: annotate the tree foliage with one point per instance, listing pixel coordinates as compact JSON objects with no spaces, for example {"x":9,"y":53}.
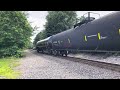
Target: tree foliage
{"x":79,"y":19}
{"x":39,"y":36}
{"x":15,"y":32}
{"x":58,"y":21}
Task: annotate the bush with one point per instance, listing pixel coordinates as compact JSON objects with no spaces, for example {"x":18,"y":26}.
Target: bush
{"x":11,"y":51}
{"x":15,"y":32}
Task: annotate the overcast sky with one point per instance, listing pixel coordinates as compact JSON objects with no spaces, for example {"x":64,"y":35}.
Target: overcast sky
{"x":38,"y":18}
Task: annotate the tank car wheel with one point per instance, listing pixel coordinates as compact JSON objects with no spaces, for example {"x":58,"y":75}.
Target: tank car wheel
{"x":38,"y":51}
{"x":42,"y":51}
{"x":55,"y":53}
{"x":66,"y":53}
{"x":50,"y":52}
{"x":62,"y":54}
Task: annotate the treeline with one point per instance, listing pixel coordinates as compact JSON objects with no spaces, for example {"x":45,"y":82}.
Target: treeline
{"x":15,"y":32}
{"x":57,"y":21}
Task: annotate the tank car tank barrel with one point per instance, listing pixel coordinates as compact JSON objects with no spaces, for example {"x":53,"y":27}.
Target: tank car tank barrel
{"x":100,"y":35}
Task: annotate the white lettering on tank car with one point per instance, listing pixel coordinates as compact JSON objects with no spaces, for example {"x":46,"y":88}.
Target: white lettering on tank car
{"x":92,"y":36}
{"x":103,"y":37}
{"x":55,"y":42}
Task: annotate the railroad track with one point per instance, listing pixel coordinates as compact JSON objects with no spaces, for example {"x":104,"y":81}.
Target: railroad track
{"x":105,"y":65}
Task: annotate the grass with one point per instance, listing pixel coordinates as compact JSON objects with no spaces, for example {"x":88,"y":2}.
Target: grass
{"x":7,"y":66}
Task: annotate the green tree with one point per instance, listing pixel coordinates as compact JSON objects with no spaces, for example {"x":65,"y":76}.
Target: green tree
{"x":79,"y":19}
{"x":58,"y":21}
{"x":39,"y":36}
{"x":15,"y":32}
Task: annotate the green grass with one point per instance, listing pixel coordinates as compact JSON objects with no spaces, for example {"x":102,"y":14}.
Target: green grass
{"x":7,"y":66}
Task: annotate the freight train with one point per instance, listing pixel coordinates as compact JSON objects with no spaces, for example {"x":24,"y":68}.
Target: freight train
{"x":90,"y":35}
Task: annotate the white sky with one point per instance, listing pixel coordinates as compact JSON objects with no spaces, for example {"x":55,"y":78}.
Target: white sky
{"x":38,"y":18}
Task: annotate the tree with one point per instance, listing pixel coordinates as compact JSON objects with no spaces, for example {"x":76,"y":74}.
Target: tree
{"x":79,"y":19}
{"x":58,"y":21}
{"x":35,"y":30}
{"x":15,"y":32}
{"x":39,"y":36}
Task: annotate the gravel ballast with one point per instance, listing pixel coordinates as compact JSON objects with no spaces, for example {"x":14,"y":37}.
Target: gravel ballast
{"x":101,"y":58}
{"x":41,"y":66}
